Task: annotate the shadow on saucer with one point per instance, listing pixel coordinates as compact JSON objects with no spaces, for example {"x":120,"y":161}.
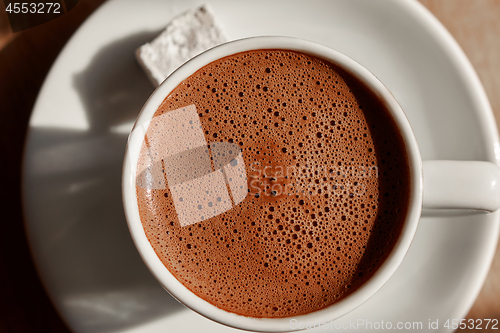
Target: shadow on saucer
{"x":452,"y":212}
{"x":89,"y":259}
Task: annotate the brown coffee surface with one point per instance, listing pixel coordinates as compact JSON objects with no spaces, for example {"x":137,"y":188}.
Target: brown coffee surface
{"x":327,"y":178}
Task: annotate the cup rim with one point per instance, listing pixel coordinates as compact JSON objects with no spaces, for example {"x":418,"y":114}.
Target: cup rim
{"x":182,"y":293}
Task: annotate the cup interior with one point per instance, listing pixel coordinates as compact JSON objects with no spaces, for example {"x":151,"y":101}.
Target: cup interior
{"x":177,"y":289}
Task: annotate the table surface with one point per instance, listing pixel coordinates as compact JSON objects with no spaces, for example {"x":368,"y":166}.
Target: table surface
{"x":26,"y":57}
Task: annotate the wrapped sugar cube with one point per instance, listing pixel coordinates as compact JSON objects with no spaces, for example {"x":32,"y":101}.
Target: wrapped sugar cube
{"x":186,"y":36}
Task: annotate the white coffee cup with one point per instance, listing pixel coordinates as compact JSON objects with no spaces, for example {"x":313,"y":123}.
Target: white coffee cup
{"x":433,"y":184}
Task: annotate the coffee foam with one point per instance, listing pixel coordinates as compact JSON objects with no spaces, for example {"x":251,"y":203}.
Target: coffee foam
{"x":327,"y":185}
{"x":185,"y":167}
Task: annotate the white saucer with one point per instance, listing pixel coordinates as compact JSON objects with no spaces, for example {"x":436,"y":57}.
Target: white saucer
{"x":80,"y":123}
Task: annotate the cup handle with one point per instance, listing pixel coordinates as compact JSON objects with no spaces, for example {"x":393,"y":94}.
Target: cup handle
{"x":461,"y":184}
